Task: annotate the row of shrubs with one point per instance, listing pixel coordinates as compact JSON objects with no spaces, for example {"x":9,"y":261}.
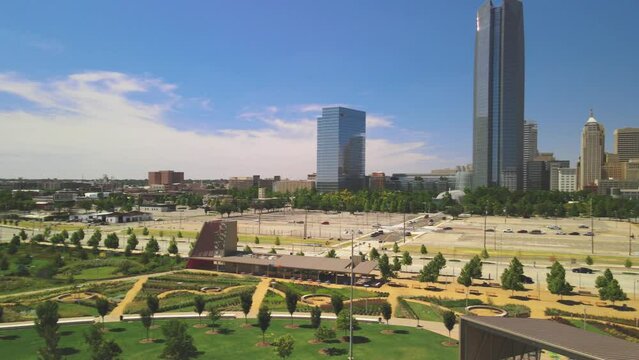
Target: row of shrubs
{"x":514,"y":310}
{"x":305,"y":289}
{"x":559,"y":312}
{"x":619,"y":331}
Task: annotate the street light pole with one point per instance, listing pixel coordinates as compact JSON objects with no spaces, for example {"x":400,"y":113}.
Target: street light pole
{"x":350,"y":337}
{"x":630,"y":234}
{"x":592,"y":230}
{"x":485,"y":216}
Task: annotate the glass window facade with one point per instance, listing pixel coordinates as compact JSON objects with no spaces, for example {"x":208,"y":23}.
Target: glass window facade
{"x":498,"y":115}
{"x":341,"y":149}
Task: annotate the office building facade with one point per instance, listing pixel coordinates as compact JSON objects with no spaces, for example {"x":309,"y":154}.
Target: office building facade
{"x":567,"y":179}
{"x":341,"y":150}
{"x":165,"y":177}
{"x":498,"y":113}
{"x":627,"y":143}
{"x":591,"y":159}
{"x":530,"y":147}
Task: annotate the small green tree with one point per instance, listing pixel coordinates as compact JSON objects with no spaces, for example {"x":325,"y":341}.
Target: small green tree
{"x":101,"y":349}
{"x":172,"y":249}
{"x":395,"y":248}
{"x":484,"y":254}
{"x":397,"y":264}
{"x":475,"y":270}
{"x":331,"y":254}
{"x":556,"y":280}
{"x":407,"y":260}
{"x":152,"y":246}
{"x":179,"y":344}
{"x":423,"y":250}
{"x":102,"y":306}
{"x":145,"y":231}
{"x":112,"y":241}
{"x":373,"y":254}
{"x":609,"y":288}
{"x":465,"y":279}
{"x":179,"y":234}
{"x":272,"y":251}
{"x":324,"y":333}
{"x":385,"y":268}
{"x":246,"y":301}
{"x":198,"y":305}
{"x":214,"y":315}
{"x":153,"y":304}
{"x":316,"y":317}
{"x":338,"y":303}
{"x":589,"y":260}
{"x":449,"y":320}
{"x":284,"y":346}
{"x":23,"y":235}
{"x":387,"y":311}
{"x":132,"y":242}
{"x":146,"y":318}
{"x":264,"y":320}
{"x":257,"y":240}
{"x":277,"y":240}
{"x":628,"y":263}
{"x":247,"y":249}
{"x":291,"y":302}
{"x":46,"y":324}
{"x":343,"y":321}
{"x":511,"y":277}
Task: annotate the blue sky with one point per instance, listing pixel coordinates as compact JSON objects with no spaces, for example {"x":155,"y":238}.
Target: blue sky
{"x":238,"y":84}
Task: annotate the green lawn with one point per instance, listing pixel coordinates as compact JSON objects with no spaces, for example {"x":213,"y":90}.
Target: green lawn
{"x":423,"y":311}
{"x":589,"y":327}
{"x":238,"y":343}
{"x":97,"y":273}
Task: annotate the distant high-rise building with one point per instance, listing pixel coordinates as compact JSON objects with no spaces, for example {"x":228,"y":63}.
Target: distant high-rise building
{"x":567,"y":179}
{"x":377,"y":181}
{"x":341,"y":149}
{"x":591,"y":159}
{"x":553,"y":170}
{"x":165,"y":177}
{"x":530,"y":147}
{"x":627,"y":143}
{"x":498,"y":115}
{"x":612,"y":169}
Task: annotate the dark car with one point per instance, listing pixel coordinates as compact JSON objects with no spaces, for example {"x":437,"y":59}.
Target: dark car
{"x":582,"y":270}
{"x":536,"y":232}
{"x":447,"y":228}
{"x":526,"y":279}
{"x":490,"y":230}
{"x":522,"y":232}
{"x":325,"y":223}
{"x":574,"y":233}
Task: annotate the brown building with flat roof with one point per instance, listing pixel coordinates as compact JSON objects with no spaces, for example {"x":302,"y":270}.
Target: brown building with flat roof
{"x":165,"y":177}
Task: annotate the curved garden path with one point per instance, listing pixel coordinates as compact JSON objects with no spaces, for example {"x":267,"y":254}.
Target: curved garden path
{"x":198,"y":292}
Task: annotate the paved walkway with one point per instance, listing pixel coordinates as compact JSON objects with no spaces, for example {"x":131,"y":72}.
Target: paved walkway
{"x":130,"y":296}
{"x":258,"y":296}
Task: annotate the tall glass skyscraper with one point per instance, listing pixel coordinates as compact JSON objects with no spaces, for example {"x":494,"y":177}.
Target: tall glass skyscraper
{"x":341,"y":149}
{"x":498,"y":114}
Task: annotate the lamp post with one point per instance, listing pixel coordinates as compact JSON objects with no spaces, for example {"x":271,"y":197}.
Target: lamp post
{"x":485,"y":216}
{"x":592,"y":230}
{"x":350,"y":337}
{"x":630,"y":234}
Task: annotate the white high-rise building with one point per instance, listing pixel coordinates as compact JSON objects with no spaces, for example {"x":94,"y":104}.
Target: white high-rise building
{"x":567,"y":179}
{"x":591,"y":159}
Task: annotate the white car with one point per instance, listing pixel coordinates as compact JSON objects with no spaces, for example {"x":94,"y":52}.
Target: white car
{"x":508,"y":231}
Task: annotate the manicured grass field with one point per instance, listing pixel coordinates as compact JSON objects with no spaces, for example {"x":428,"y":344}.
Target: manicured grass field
{"x":284,"y":240}
{"x":238,"y":342}
{"x":424,"y":312}
{"x":97,"y":273}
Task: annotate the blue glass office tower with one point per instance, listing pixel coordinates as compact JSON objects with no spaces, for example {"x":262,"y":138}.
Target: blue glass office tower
{"x":341,"y":149}
{"x":498,"y":114}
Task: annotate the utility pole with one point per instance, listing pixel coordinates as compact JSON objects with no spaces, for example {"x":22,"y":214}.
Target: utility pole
{"x":404,"y":225}
{"x":630,"y":234}
{"x":485,"y":216}
{"x":350,"y":337}
{"x":305,"y":221}
{"x":592,"y":230}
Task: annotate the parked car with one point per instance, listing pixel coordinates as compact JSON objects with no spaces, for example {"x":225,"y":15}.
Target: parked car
{"x":582,"y":226}
{"x":407,"y":233}
{"x":582,"y":270}
{"x":522,"y":231}
{"x":490,"y":230}
{"x":447,"y":228}
{"x":574,"y":233}
{"x":560,"y":233}
{"x":536,"y":232}
{"x":508,"y":231}
{"x":589,"y":233}
{"x":526,"y":279}
{"x":325,"y":223}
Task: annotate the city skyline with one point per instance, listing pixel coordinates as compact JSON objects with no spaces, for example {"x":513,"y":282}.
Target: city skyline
{"x":196,"y":103}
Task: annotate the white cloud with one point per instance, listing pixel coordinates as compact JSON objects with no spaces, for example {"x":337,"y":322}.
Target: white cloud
{"x":378,"y":121}
{"x":88,"y":124}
